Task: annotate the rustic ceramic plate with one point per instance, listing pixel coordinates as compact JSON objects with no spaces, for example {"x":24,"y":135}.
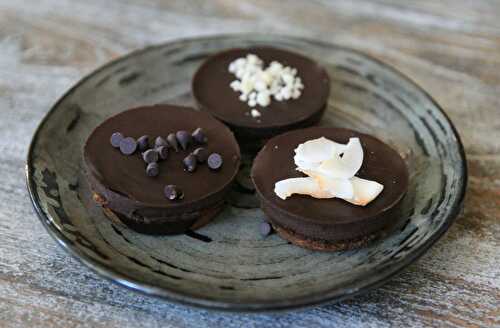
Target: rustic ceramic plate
{"x":227,"y":265}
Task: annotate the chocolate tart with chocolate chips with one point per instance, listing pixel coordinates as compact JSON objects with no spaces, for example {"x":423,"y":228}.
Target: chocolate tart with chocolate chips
{"x":329,"y":224}
{"x":213,"y":93}
{"x":146,"y":168}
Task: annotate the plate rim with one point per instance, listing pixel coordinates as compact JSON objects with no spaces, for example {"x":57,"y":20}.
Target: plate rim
{"x":331,"y":295}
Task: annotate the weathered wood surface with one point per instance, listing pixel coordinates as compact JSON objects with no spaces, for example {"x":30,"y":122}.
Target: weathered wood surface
{"x":449,"y":47}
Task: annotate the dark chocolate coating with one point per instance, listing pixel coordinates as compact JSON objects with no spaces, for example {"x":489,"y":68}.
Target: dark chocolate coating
{"x":125,"y":188}
{"x":212,"y":92}
{"x":329,"y":219}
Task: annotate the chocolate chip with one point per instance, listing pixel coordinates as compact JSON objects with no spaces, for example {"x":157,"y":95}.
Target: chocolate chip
{"x":173,"y":192}
{"x":115,"y":139}
{"x":162,"y":152}
{"x":143,"y":143}
{"x":172,"y":141}
{"x":128,"y":146}
{"x":184,"y":139}
{"x":200,"y":154}
{"x":189,"y":163}
{"x":159,"y":141}
{"x":150,"y":156}
{"x":214,"y":161}
{"x":199,"y":137}
{"x":265,"y":229}
{"x":152,"y":169}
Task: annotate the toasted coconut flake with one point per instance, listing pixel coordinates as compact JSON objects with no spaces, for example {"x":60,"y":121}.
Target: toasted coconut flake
{"x":330,"y":168}
{"x":353,"y":155}
{"x":346,"y":166}
{"x":317,"y":150}
{"x":304,"y":186}
{"x":341,"y":188}
{"x":305,"y":166}
{"x":364,"y":191}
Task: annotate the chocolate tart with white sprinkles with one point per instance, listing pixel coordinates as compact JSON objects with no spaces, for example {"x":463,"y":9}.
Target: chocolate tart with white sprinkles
{"x":161,"y":169}
{"x":289,"y":90}
{"x":330,"y":224}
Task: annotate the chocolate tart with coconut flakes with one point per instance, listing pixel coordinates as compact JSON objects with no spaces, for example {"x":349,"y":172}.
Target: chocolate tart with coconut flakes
{"x":212,"y":90}
{"x":329,"y":224}
{"x":179,"y":193}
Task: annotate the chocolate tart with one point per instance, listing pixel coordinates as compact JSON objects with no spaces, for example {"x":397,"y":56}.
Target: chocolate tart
{"x":329,"y":224}
{"x":120,"y":184}
{"x":213,"y":94}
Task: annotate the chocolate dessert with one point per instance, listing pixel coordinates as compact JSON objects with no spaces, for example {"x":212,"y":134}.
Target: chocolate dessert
{"x":161,"y":169}
{"x":326,"y":221}
{"x":261,"y":92}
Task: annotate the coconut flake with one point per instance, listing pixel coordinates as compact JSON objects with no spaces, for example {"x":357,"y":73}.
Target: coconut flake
{"x":306,"y":166}
{"x":330,"y":168}
{"x":303,"y":186}
{"x":364,"y":191}
{"x":345,"y":166}
{"x":341,"y":188}
{"x":353,"y":155}
{"x":317,"y":150}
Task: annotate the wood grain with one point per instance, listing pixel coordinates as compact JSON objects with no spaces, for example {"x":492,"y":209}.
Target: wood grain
{"x":449,"y":47}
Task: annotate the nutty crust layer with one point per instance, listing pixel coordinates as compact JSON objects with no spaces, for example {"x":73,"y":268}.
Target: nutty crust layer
{"x":158,"y":228}
{"x":323,"y":245}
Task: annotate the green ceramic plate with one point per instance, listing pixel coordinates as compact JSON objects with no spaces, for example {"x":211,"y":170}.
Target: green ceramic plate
{"x":227,"y":265}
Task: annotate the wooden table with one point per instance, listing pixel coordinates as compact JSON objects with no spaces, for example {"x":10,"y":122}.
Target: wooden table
{"x":451,"y":48}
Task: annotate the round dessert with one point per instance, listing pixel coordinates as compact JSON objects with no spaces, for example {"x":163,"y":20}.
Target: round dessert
{"x":290,"y":90}
{"x":161,"y":169}
{"x":330,"y":223}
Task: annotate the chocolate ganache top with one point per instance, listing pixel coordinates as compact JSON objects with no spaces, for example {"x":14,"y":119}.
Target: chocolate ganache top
{"x":126,"y":175}
{"x":381,"y":164}
{"x":211,"y":88}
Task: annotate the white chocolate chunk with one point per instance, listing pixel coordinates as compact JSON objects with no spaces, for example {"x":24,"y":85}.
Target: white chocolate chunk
{"x":287,"y":78}
{"x":275,"y":67}
{"x":260,"y":85}
{"x":235,"y":85}
{"x":255,"y":113}
{"x":276,"y":81}
{"x":287,"y":93}
{"x":246,"y":86}
{"x":240,"y":62}
{"x":263,"y":99}
{"x":266,"y":77}
{"x":253,"y":59}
